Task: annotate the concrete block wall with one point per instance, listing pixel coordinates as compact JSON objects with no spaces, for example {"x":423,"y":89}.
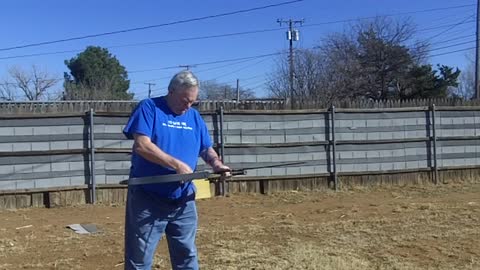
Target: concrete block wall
{"x":43,"y":152}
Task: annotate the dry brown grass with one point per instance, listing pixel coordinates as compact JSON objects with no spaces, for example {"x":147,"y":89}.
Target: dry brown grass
{"x":379,"y":228}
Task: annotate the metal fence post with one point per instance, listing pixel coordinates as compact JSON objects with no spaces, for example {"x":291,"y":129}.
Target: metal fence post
{"x":222,"y":151}
{"x":434,"y":137}
{"x":93,"y":184}
{"x":334,"y":158}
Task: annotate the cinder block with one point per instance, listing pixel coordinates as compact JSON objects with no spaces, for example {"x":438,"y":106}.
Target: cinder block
{"x":292,"y":138}
{"x":318,"y":123}
{"x":100,"y":164}
{"x":263,"y":139}
{"x":293,"y":170}
{"x":6,"y":169}
{"x":319,"y":156}
{"x":399,"y":166}
{"x":52,"y":182}
{"x":25,"y":184}
{"x":359,"y":123}
{"x":398,"y":135}
{"x":305,"y":123}
{"x":423,"y":164}
{"x":58,"y":145}
{"x":113,"y":128}
{"x":113,"y":165}
{"x":345,"y":167}
{"x":279,"y":158}
{"x":458,"y":120}
{"x":248,"y":125}
{"x":319,"y":137}
{"x":108,"y":143}
{"x":385,"y":122}
{"x":386,"y":166}
{"x":115,"y":179}
{"x":321,"y":169}
{"x":6,"y":147}
{"x":248,"y":139}
{"x":344,"y":155}
{"x":398,"y":152}
{"x":236,"y":159}
{"x":410,"y":134}
{"x":359,"y":154}
{"x":76,"y":130}
{"x":373,"y":167}
{"x":373,"y":154}
{"x":22,"y":131}
{"x":6,"y":131}
{"x":60,"y":167}
{"x":373,"y":136}
{"x":360,"y":136}
{"x":100,"y":179}
{"x":360,"y":167}
{"x":23,"y":168}
{"x":126,"y":144}
{"x":75,"y":145}
{"x":77,"y":166}
{"x":22,"y":147}
{"x":40,"y":146}
{"x":277,"y":125}
{"x":307,"y":170}
{"x":233,"y":125}
{"x":344,"y":123}
{"x":99,"y":128}
{"x":264,"y":158}
{"x":291,"y":125}
{"x":411,"y":164}
{"x":277,"y":139}
{"x":261,"y":172}
{"x":305,"y":138}
{"x":8,"y":185}
{"x":344,"y":136}
{"x":279,"y":171}
{"x":421,"y":121}
{"x":80,"y":180}
{"x":51,"y":130}
{"x":386,"y":135}
{"x":469,"y":132}
{"x":410,"y":151}
{"x":373,"y":123}
{"x":400,"y":122}
{"x":42,"y":167}
{"x":262,"y":125}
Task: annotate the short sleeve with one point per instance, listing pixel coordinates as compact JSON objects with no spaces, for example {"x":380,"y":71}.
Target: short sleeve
{"x":141,"y":120}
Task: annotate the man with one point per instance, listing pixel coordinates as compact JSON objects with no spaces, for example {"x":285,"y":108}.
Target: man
{"x":169,"y":137}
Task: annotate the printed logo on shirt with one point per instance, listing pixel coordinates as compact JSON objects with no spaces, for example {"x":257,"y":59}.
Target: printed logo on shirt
{"x":175,"y":124}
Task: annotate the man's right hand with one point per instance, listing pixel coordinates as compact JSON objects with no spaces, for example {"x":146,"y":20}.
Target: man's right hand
{"x":182,"y":168}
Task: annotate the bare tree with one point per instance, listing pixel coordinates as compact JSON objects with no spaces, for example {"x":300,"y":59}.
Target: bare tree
{"x":466,"y":89}
{"x":29,"y":85}
{"x":374,"y":60}
{"x":214,"y":90}
{"x":7,"y":91}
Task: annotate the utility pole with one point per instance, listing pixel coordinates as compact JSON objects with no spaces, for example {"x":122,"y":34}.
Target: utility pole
{"x":187,"y":67}
{"x":150,"y":89}
{"x":292,"y":35}
{"x":476,"y":94}
{"x":238,"y":90}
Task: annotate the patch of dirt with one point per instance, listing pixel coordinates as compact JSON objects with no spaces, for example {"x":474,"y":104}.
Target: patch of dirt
{"x":414,"y":227}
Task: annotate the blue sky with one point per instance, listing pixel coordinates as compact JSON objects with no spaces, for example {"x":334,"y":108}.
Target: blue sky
{"x":32,"y":21}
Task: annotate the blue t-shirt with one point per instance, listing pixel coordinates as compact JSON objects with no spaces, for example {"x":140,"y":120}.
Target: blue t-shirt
{"x":181,"y":136}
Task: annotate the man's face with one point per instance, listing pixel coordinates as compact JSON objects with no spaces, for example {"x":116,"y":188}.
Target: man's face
{"x":182,"y":99}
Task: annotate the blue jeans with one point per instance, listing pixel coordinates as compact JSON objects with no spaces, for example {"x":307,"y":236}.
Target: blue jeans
{"x":148,"y":218}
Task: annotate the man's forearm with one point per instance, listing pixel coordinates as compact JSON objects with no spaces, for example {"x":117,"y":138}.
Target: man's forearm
{"x":149,"y":151}
{"x":211,"y":157}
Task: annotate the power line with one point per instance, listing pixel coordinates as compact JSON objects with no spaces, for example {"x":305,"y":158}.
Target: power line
{"x":456,"y":51}
{"x":390,"y":15}
{"x":209,"y":63}
{"x":451,"y":27}
{"x":242,"y":33}
{"x":150,"y":26}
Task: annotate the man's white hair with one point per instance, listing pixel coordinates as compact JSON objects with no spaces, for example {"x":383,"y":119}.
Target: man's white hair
{"x":183,"y":80}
